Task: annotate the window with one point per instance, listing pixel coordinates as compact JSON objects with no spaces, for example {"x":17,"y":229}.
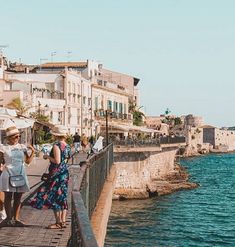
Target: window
{"x":60,"y":114}
{"x":115,"y":106}
{"x":78,"y":116}
{"x":96,"y":103}
{"x":109,"y":105}
{"x":89,"y":101}
{"x":120,"y":108}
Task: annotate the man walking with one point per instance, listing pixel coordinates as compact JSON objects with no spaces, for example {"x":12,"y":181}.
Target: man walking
{"x":76,"y":142}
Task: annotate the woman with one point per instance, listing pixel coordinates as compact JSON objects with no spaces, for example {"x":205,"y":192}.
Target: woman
{"x":53,"y":193}
{"x":84,"y":142}
{"x":15,"y":155}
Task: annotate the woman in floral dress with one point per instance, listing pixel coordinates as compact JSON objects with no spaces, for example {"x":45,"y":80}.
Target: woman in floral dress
{"x":53,"y":193}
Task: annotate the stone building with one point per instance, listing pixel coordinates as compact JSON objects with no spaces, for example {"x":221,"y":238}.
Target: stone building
{"x":223,"y":140}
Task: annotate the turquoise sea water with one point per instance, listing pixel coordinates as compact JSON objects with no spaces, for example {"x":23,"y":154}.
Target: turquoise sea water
{"x":201,"y":217}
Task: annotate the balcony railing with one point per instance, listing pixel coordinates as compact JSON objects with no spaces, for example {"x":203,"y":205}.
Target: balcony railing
{"x":114,"y":115}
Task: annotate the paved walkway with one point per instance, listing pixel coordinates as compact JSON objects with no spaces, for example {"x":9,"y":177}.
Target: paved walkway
{"x":35,"y":233}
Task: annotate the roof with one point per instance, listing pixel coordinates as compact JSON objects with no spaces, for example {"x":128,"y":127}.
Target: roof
{"x":65,"y":64}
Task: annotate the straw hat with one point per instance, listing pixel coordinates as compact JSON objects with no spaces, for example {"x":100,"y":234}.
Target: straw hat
{"x":59,"y":130}
{"x":11,"y":131}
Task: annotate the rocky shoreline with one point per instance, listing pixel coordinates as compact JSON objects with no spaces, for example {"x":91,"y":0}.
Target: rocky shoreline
{"x":177,"y":180}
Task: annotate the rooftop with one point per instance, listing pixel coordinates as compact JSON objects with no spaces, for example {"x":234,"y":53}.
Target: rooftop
{"x":64,"y":64}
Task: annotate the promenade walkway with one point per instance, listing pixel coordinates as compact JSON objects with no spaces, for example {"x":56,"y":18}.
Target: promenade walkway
{"x":35,"y":233}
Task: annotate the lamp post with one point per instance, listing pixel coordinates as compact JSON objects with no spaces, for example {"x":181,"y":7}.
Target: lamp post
{"x":69,"y":55}
{"x":41,"y":60}
{"x":52,"y":55}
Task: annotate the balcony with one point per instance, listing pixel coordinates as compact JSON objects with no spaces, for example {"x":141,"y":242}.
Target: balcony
{"x":99,"y":114}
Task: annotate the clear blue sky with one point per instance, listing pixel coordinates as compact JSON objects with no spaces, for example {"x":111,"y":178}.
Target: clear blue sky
{"x":182,"y":50}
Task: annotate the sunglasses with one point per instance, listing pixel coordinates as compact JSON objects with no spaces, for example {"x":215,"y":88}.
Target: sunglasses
{"x":16,"y":136}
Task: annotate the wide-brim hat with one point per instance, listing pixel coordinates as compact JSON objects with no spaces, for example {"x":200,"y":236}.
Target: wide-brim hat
{"x":59,"y":130}
{"x":11,"y":131}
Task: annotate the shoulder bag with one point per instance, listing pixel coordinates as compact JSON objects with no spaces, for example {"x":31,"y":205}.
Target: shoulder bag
{"x":17,"y":180}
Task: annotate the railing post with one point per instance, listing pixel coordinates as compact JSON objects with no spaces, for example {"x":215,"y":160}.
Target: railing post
{"x":87,"y":203}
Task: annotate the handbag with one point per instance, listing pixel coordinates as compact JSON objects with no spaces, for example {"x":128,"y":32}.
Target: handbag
{"x":45,"y":177}
{"x":17,"y":180}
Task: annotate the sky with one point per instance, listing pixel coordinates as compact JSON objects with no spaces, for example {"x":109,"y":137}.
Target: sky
{"x":182,"y":51}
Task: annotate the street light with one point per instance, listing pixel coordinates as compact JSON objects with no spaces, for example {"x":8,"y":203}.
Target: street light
{"x":69,"y":55}
{"x":42,"y":59}
{"x":52,"y":55}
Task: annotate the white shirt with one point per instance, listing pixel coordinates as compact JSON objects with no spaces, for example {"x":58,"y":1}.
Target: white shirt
{"x":14,"y":161}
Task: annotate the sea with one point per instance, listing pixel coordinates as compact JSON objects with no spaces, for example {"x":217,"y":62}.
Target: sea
{"x":201,"y":217}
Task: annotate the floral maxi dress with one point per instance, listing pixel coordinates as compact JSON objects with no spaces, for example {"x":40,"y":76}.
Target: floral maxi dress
{"x":53,"y":194}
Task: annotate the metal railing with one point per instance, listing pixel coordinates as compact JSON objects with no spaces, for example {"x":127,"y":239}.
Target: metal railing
{"x":137,"y":143}
{"x":149,"y":142}
{"x":87,"y":183}
{"x":172,"y":140}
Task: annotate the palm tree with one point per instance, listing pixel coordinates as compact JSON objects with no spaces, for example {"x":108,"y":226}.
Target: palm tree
{"x":19,"y":106}
{"x":137,"y":114}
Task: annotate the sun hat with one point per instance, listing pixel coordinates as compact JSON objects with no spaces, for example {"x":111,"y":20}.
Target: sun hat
{"x":10,"y":131}
{"x":59,"y":130}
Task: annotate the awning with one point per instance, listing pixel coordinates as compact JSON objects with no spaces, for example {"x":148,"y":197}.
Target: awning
{"x":119,"y":128}
{"x":21,"y":123}
{"x":7,"y":112}
{"x":18,"y":122}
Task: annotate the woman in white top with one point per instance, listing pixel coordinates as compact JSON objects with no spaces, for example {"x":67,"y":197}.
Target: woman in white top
{"x":15,"y":155}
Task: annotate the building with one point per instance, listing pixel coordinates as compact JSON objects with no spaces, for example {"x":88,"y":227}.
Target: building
{"x":110,"y":93}
{"x":64,"y":96}
{"x":223,"y":140}
{"x":75,"y":94}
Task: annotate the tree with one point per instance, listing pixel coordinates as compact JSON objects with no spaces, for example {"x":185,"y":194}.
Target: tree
{"x":137,"y":114}
{"x":19,"y":106}
{"x":39,"y":117}
{"x":167,"y":111}
{"x":138,"y":117}
{"x":177,"y":121}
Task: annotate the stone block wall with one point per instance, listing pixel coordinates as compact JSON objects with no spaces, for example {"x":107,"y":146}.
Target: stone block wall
{"x":137,"y":170}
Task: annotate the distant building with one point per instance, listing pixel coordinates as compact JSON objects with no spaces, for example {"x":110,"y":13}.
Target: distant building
{"x":194,"y":121}
{"x":219,"y":138}
{"x":155,"y":122}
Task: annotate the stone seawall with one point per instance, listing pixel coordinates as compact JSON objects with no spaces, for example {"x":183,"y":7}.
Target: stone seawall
{"x":144,"y":174}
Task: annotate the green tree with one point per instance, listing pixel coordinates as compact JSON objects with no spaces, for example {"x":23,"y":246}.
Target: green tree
{"x":137,"y":114}
{"x":19,"y":106}
{"x":39,"y":117}
{"x":177,"y":121}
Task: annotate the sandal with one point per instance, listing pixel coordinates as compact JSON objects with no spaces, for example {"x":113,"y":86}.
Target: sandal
{"x":55,"y":226}
{"x":6,"y":223}
{"x":19,"y":223}
{"x":63,"y":225}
